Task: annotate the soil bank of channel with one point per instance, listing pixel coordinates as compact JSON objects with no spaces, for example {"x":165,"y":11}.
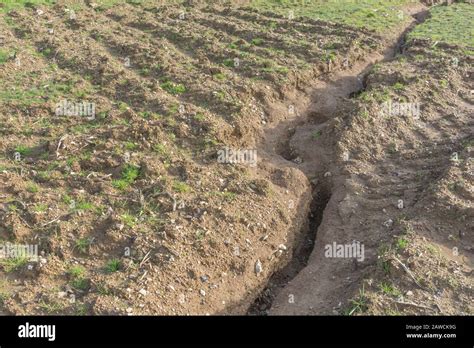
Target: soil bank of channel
{"x":328,"y":98}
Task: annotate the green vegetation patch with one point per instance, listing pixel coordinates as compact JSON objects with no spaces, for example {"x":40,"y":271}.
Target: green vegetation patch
{"x":379,"y":15}
{"x":7,"y":5}
{"x":452,"y":24}
{"x":129,"y":174}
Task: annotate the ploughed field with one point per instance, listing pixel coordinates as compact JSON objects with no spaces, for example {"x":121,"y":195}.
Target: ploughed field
{"x":119,"y":129}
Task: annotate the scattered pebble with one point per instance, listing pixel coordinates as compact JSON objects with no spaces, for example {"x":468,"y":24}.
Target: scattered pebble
{"x":62,"y":294}
{"x":258,"y":267}
{"x":298,"y":160}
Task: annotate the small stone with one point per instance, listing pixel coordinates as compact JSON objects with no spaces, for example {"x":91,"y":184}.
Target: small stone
{"x":282,"y":247}
{"x":204,"y":278}
{"x":143,"y":292}
{"x":409,"y":293}
{"x":202,"y":292}
{"x":62,"y":294}
{"x":298,"y":160}
{"x":327,"y":174}
{"x":258,"y":267}
{"x":129,"y":310}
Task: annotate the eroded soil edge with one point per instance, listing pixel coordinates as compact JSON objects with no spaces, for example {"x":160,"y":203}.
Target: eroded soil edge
{"x":329,"y":98}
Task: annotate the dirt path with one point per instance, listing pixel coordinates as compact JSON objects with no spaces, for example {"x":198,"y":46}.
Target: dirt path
{"x":310,"y":284}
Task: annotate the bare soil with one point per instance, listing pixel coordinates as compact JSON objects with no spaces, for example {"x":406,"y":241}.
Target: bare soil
{"x":187,"y":231}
